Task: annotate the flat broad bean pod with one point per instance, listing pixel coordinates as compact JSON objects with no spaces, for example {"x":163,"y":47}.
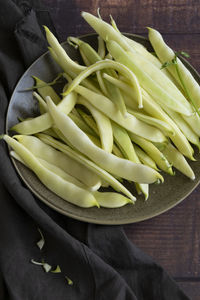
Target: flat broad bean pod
{"x":87,"y":163}
{"x":117,"y":166}
{"x":107,"y":64}
{"x":60,"y":160}
{"x":149,"y":83}
{"x":66,"y":190}
{"x":130,"y":123}
{"x":103,"y":124}
{"x":43,"y":122}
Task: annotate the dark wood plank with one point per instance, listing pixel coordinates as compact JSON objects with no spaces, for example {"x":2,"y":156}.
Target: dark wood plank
{"x":172,"y":238}
{"x":191,"y":289}
{"x":134,"y":16}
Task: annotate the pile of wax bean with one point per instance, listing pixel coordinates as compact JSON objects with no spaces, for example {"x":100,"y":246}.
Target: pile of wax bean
{"x":125,"y":115}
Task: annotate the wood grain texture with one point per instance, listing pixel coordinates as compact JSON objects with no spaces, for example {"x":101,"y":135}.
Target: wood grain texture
{"x":175,"y":17}
{"x":173,"y":238}
{"x":191,"y":289}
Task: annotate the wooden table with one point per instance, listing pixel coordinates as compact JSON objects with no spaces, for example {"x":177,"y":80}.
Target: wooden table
{"x":172,"y":239}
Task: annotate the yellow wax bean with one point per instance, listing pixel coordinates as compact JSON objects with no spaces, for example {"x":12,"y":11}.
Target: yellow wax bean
{"x":81,"y":124}
{"x":105,"y":30}
{"x":153,"y":152}
{"x":111,"y":200}
{"x":153,"y":109}
{"x":184,"y":127}
{"x":150,"y":80}
{"x":89,"y":120}
{"x":87,"y":163}
{"x":130,"y":123}
{"x":145,"y":158}
{"x":41,"y":102}
{"x":53,"y":169}
{"x":103,"y":124}
{"x":66,"y":190}
{"x":165,"y":53}
{"x":123,"y":141}
{"x":119,"y":167}
{"x":178,"y":161}
{"x":165,"y":127}
{"x":107,"y":88}
{"x":45,"y":121}
{"x":60,"y":160}
{"x":194,"y":122}
{"x":67,"y":63}
{"x":46,"y":90}
{"x":101,"y":47}
{"x":104,"y":65}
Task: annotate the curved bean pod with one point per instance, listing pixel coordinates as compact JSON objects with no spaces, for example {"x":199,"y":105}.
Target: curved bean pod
{"x":66,"y":190}
{"x":46,"y":90}
{"x":45,"y":121}
{"x":119,"y":167}
{"x":87,"y":163}
{"x":106,"y":64}
{"x":105,"y":30}
{"x":165,"y":53}
{"x":101,"y":47}
{"x":60,"y":160}
{"x":107,"y":88}
{"x":165,"y":127}
{"x":153,"y":152}
{"x":124,"y":143}
{"x":41,"y":102}
{"x":145,"y":158}
{"x":103,"y":124}
{"x":67,"y":63}
{"x":153,"y":109}
{"x":178,"y":161}
{"x":81,"y":124}
{"x":130,"y":123}
{"x":111,"y":200}
{"x":148,"y":82}
{"x":184,"y":127}
{"x":52,"y":168}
